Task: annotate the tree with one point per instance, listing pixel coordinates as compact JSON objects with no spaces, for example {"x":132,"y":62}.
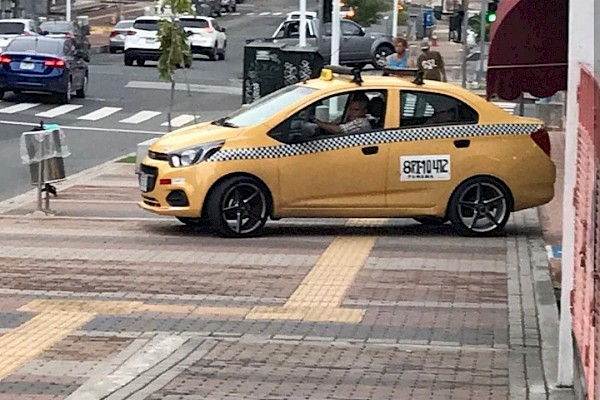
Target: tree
{"x":368,"y":12}
{"x":175,"y":50}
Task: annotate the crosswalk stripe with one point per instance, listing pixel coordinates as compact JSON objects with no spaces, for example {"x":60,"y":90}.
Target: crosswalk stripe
{"x":179,"y":121}
{"x":277,"y":13}
{"x":18,"y":107}
{"x":140,"y":117}
{"x":100,"y":113}
{"x":250,"y":13}
{"x":265,"y":13}
{"x":236,"y":13}
{"x":60,"y":110}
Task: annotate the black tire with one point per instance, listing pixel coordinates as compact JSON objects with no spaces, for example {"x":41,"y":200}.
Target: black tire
{"x":238,"y":207}
{"x":141,"y":62}
{"x":382,"y":51}
{"x":112,"y":50}
{"x":17,"y":91}
{"x":65,"y":98}
{"x":221,"y":55}
{"x":214,"y":53}
{"x":480,"y":206}
{"x":81,"y":92}
{"x":193,"y":222}
{"x":128,"y":61}
{"x":431,"y":221}
{"x":2,"y":93}
{"x":188,"y":65}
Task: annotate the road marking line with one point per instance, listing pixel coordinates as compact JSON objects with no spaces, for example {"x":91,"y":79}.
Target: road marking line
{"x":321,"y":292}
{"x":100,"y":113}
{"x":60,"y":110}
{"x":86,"y":128}
{"x":193,"y":87}
{"x":264,"y":13}
{"x":236,"y":13}
{"x":18,"y":107}
{"x":179,"y":121}
{"x":250,"y":13}
{"x":140,"y":117}
{"x":277,"y":13}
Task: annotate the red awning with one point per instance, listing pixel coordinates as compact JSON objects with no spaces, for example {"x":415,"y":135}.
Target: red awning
{"x":528,"y":49}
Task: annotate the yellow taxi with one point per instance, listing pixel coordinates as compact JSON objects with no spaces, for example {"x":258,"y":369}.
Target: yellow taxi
{"x":428,"y":150}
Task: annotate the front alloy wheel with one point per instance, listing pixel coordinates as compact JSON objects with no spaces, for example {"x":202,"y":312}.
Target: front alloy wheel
{"x":238,"y":207}
{"x":480,"y":207}
{"x":380,"y":57}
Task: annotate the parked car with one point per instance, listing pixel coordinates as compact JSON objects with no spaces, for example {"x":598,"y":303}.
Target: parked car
{"x":208,"y":8}
{"x":116,"y":41}
{"x":358,"y":47}
{"x":295,"y":15}
{"x":68,"y":29}
{"x":141,"y":43}
{"x":41,"y":64}
{"x":206,"y":37}
{"x":229,"y":5}
{"x":433,"y":151}
{"x":11,"y":28}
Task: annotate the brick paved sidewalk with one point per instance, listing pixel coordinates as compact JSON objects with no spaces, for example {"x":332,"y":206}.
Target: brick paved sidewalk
{"x":104,"y":301}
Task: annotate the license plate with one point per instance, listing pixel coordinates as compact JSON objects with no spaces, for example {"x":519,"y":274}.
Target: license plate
{"x":144,"y":182}
{"x":27,"y":65}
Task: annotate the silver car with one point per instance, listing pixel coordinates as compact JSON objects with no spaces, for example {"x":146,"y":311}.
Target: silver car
{"x":116,"y":42}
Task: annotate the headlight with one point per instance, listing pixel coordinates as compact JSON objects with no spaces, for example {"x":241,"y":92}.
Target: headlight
{"x":194,"y":155}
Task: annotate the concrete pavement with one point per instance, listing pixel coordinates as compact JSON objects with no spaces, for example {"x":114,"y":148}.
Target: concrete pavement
{"x":103,"y":300}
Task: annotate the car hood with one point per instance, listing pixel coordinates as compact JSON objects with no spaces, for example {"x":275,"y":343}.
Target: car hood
{"x":194,"y":135}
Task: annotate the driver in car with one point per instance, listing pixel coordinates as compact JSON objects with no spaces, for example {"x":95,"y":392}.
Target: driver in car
{"x":357,"y":118}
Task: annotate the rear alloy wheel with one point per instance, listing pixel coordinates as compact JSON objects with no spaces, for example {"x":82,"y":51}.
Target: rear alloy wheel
{"x":480,"y":207}
{"x":82,"y":91}
{"x":380,"y":56}
{"x":238,"y":207}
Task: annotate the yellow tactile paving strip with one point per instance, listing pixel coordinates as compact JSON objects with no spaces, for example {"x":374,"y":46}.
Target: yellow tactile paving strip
{"x":317,"y":298}
{"x":320,"y":294}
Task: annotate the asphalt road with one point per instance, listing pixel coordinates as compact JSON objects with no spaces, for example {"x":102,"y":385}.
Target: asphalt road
{"x":128,"y":105}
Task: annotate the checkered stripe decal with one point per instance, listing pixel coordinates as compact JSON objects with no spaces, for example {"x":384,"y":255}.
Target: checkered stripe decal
{"x":374,"y":138}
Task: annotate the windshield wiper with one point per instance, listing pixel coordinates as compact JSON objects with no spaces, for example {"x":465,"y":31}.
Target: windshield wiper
{"x":224,"y":122}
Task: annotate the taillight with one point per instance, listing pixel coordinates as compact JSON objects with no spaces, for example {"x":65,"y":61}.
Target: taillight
{"x":26,"y":33}
{"x":56,"y":63}
{"x":209,"y":30}
{"x":542,"y":139}
{"x":131,"y":33}
{"x":68,"y":35}
{"x":114,"y":33}
{"x":5,"y":60}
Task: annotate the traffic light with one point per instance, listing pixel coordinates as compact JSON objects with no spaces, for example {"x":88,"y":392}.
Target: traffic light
{"x":491,"y":14}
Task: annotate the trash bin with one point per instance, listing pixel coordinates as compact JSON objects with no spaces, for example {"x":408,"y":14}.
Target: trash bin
{"x":269,"y":66}
{"x":45,"y":146}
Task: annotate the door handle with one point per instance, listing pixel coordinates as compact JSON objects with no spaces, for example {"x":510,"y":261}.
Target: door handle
{"x":367,"y":151}
{"x":462,"y":144}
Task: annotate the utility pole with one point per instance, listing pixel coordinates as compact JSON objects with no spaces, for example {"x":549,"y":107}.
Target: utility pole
{"x":394,"y":19}
{"x":483,"y":30}
{"x":464,"y":30}
{"x":335,"y":33}
{"x":302,"y":23}
{"x":68,"y":4}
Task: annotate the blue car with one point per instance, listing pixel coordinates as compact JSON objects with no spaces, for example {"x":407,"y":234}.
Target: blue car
{"x":41,"y":64}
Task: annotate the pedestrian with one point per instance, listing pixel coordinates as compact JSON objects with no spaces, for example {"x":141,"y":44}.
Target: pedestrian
{"x":401,"y":58}
{"x":431,"y":63}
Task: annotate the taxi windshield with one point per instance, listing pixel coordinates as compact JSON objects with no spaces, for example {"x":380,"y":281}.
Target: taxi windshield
{"x":258,"y":112}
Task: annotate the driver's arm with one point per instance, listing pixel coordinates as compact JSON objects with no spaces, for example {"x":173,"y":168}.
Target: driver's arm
{"x":328,"y":126}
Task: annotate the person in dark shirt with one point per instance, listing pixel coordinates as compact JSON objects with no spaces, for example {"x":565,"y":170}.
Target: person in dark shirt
{"x":431,"y":63}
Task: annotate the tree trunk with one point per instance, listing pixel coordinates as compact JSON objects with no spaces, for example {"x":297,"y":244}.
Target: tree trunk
{"x":172,"y":101}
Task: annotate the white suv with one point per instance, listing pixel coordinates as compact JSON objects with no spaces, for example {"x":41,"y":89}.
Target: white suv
{"x":141,"y":42}
{"x":206,"y":36}
{"x":11,"y":28}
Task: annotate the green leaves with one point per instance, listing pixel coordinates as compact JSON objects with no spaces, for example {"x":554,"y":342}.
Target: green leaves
{"x":175,"y":50}
{"x":368,"y":11}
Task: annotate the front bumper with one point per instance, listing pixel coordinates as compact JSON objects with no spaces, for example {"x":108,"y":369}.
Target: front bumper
{"x":171,"y":191}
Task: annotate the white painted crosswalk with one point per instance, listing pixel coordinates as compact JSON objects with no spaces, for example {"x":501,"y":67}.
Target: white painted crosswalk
{"x":60,"y":110}
{"x":179,"y":121}
{"x":140,"y":117}
{"x":18,"y":108}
